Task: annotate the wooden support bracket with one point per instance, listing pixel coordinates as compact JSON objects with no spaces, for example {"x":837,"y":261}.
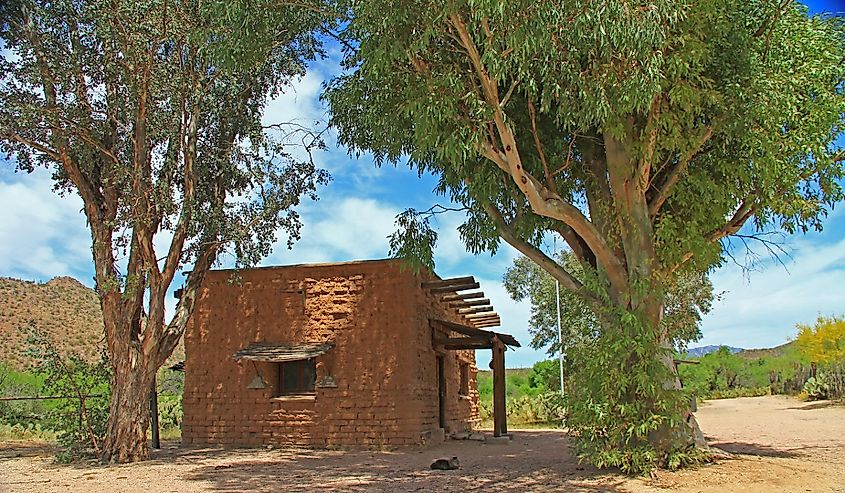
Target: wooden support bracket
{"x":464,"y":304}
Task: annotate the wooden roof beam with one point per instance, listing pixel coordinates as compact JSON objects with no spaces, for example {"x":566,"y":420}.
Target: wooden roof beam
{"x":464,"y":304}
{"x":456,"y":287}
{"x":448,"y":282}
{"x":465,"y":296}
{"x":476,"y":342}
{"x":477,"y":309}
{"x":472,"y":331}
{"x":477,"y":316}
{"x":487,"y":324}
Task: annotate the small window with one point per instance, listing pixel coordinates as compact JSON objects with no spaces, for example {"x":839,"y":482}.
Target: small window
{"x":464,"y":388}
{"x":297,"y":377}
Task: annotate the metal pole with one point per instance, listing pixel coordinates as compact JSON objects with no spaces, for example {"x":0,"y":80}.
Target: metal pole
{"x":154,"y":415}
{"x":559,"y":332}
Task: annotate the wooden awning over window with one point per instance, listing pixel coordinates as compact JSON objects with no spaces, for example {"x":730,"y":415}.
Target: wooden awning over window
{"x":279,"y":353}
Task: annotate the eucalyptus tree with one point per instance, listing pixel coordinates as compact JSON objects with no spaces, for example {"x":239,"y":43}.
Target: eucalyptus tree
{"x":643,"y":134}
{"x":150,"y":111}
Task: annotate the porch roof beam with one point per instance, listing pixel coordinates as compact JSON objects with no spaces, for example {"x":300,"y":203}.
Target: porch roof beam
{"x":465,"y":296}
{"x":455,"y":288}
{"x":448,"y":282}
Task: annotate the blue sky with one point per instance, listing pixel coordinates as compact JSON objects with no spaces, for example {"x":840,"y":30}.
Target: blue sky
{"x":43,"y":235}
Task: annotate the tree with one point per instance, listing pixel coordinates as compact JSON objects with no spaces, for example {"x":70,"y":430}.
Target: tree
{"x":151,"y":112}
{"x":545,"y":375}
{"x":823,"y":342}
{"x":642,"y":134}
{"x":686,"y":301}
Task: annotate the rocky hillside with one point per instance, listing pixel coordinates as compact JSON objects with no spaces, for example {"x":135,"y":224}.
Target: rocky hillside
{"x":769,"y":352}
{"x":698,"y":352}
{"x":66,"y":309}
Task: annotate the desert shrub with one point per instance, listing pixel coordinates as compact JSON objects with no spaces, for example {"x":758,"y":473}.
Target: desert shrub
{"x":545,"y":374}
{"x":170,"y":411}
{"x":170,"y":385}
{"x":31,"y":431}
{"x":823,"y":342}
{"x":547,"y":407}
{"x":739,"y":392}
{"x":22,"y":414}
{"x":817,"y":388}
{"x":721,"y":374}
{"x":542,"y":408}
{"x":80,"y":420}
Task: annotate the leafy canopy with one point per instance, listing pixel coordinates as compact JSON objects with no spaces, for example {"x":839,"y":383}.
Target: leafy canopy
{"x":732,"y":112}
{"x":824,"y":341}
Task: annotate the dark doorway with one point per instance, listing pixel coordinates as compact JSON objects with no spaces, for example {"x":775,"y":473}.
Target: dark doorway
{"x":441,"y":390}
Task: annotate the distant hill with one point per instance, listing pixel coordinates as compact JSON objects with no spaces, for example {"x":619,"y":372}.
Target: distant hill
{"x":698,"y":352}
{"x":768,"y":352}
{"x":64,"y":307}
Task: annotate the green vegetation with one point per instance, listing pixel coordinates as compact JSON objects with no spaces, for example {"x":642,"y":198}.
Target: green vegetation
{"x":823,"y":342}
{"x":813,"y":365}
{"x":532,"y":395}
{"x":80,"y":420}
{"x":77,"y":422}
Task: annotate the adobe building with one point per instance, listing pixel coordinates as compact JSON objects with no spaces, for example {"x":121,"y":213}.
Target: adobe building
{"x":357,"y":354}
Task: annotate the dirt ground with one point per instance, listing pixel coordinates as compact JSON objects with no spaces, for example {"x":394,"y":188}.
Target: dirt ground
{"x":780,"y":445}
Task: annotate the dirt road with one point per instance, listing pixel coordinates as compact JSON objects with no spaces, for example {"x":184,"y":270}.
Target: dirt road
{"x":782,"y":445}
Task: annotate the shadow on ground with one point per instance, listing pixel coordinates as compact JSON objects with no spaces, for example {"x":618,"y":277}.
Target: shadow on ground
{"x":26,"y":448}
{"x":533,"y":461}
{"x":747,"y":448}
{"x":815,"y":405}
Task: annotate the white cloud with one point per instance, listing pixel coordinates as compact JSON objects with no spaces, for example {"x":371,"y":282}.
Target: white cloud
{"x":761,"y":309}
{"x":42,"y":234}
{"x":298,"y":103}
{"x":339,"y":229}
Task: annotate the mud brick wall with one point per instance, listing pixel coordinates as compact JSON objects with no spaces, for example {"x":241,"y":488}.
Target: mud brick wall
{"x":383,"y":363}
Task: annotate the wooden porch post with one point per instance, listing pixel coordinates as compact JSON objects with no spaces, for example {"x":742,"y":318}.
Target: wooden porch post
{"x":500,"y":417}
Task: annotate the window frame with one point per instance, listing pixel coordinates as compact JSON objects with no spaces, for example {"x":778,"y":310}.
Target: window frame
{"x":303,"y":387}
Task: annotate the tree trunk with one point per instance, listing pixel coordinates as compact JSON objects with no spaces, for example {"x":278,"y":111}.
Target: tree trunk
{"x":129,"y":411}
{"x":685,"y":434}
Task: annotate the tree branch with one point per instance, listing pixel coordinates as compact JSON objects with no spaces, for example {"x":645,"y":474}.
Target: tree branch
{"x":535,"y":254}
{"x":544,"y":202}
{"x":675,"y":173}
{"x":647,"y":161}
{"x":532,"y":112}
{"x":741,"y":215}
{"x":54,"y":154}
